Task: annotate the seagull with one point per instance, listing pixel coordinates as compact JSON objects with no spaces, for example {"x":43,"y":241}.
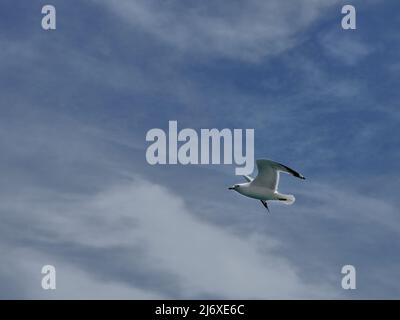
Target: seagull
{"x":265,"y":186}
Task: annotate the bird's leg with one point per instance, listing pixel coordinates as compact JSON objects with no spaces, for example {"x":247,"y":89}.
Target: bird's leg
{"x":265,"y":204}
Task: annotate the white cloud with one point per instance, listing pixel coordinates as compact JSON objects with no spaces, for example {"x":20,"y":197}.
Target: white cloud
{"x":204,"y":259}
{"x":24,"y":267}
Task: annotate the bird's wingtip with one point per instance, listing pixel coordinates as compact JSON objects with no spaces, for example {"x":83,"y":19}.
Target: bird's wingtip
{"x":300,"y":176}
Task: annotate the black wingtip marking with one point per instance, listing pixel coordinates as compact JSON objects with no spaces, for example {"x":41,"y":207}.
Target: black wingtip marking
{"x":295,"y":173}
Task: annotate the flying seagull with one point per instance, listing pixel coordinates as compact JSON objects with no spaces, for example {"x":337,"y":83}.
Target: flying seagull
{"x":265,"y":186}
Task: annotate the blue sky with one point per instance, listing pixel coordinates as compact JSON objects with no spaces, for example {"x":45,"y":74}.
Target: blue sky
{"x":76,"y":191}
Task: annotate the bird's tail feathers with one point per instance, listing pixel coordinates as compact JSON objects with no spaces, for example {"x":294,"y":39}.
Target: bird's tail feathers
{"x":287,"y":199}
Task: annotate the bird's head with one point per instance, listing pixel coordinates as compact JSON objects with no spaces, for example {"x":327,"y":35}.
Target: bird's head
{"x":234,"y":187}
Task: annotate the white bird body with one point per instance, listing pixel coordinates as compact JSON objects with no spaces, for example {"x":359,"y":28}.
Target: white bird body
{"x":263,"y":193}
{"x":265,"y":186}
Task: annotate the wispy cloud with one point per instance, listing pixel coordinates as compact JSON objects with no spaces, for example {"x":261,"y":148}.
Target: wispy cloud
{"x":246,"y":31}
{"x":345,"y":46}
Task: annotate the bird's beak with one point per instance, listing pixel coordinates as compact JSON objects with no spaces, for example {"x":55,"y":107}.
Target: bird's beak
{"x":231,"y":188}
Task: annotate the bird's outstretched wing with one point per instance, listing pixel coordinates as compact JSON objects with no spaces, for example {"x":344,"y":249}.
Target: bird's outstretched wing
{"x":268,"y":173}
{"x":248,"y":178}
